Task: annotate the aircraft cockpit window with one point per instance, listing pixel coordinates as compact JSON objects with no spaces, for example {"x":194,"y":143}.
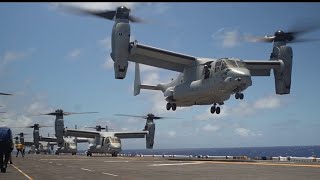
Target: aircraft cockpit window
{"x":206,"y":71}
{"x":224,"y":65}
{"x":103,"y":141}
{"x":217,"y":66}
{"x":218,"y":63}
{"x":241,"y":64}
{"x":114,"y":140}
{"x":108,"y":140}
{"x":231,"y":63}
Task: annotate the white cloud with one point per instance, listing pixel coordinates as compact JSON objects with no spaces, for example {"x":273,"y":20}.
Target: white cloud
{"x":74,"y":53}
{"x":227,"y":38}
{"x":98,"y":5}
{"x":38,"y":107}
{"x":145,"y":68}
{"x":19,"y":121}
{"x":152,"y":78}
{"x":268,"y":102}
{"x":108,"y":63}
{"x":106,"y":43}
{"x":172,"y":133}
{"x":124,"y":129}
{"x":161,"y":8}
{"x":246,"y":132}
{"x":209,"y":127}
{"x":10,"y":56}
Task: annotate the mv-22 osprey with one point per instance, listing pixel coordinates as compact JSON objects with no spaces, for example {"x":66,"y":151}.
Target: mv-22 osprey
{"x":202,"y":81}
{"x":64,"y":144}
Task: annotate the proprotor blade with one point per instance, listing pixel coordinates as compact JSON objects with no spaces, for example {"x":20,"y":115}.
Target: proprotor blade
{"x":121,"y":12}
{"x":292,"y":35}
{"x":135,"y":19}
{"x":144,"y":117}
{"x":69,"y":113}
{"x":5,"y":94}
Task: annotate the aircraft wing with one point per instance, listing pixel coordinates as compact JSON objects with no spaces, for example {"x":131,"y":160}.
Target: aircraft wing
{"x":262,"y":68}
{"x":48,"y":139}
{"x":82,"y":140}
{"x":82,"y":133}
{"x":28,"y":143}
{"x":137,"y":134}
{"x":160,"y":58}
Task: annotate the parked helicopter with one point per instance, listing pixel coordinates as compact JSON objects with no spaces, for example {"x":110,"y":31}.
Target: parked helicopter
{"x":202,"y":81}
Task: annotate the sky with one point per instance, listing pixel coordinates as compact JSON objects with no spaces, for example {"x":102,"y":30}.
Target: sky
{"x":51,"y":59}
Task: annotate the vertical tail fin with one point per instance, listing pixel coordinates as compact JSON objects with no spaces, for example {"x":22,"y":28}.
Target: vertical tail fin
{"x":137,"y":83}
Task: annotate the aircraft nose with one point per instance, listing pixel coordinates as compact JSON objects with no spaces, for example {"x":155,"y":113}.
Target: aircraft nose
{"x":115,"y":146}
{"x":241,"y":75}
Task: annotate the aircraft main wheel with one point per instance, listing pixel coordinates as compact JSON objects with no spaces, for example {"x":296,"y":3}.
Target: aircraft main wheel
{"x":114,"y":155}
{"x":3,"y":169}
{"x":174,"y":106}
{"x":213,"y":109}
{"x":218,"y":110}
{"x":241,"y":96}
{"x":168,"y":106}
{"x":237,"y":95}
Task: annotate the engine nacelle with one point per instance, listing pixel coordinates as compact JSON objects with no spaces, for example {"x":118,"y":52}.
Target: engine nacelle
{"x":120,"y":48}
{"x":283,"y":77}
{"x":150,"y":137}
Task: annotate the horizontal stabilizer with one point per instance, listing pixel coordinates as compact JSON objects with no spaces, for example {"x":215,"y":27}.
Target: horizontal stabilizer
{"x":149,"y":87}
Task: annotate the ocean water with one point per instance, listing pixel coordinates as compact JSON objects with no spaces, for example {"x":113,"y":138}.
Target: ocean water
{"x":252,"y":152}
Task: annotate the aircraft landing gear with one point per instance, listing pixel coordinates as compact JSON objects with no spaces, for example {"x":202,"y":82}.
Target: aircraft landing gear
{"x":173,"y":106}
{"x":239,"y":96}
{"x":215,"y":109}
{"x":73,"y":153}
{"x":168,"y":106}
{"x":114,"y":155}
{"x":89,"y":153}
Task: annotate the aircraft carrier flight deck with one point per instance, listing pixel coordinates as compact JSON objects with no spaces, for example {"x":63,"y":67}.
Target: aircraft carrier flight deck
{"x":40,"y":166}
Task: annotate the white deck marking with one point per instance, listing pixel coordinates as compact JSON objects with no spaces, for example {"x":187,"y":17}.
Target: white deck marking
{"x":115,"y":161}
{"x":50,"y":162}
{"x":59,"y":164}
{"x":87,"y":169}
{"x":176,"y":164}
{"x":21,"y":172}
{"x":109,"y":174}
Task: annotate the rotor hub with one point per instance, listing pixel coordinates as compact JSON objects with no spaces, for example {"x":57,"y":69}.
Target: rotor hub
{"x":122,"y":13}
